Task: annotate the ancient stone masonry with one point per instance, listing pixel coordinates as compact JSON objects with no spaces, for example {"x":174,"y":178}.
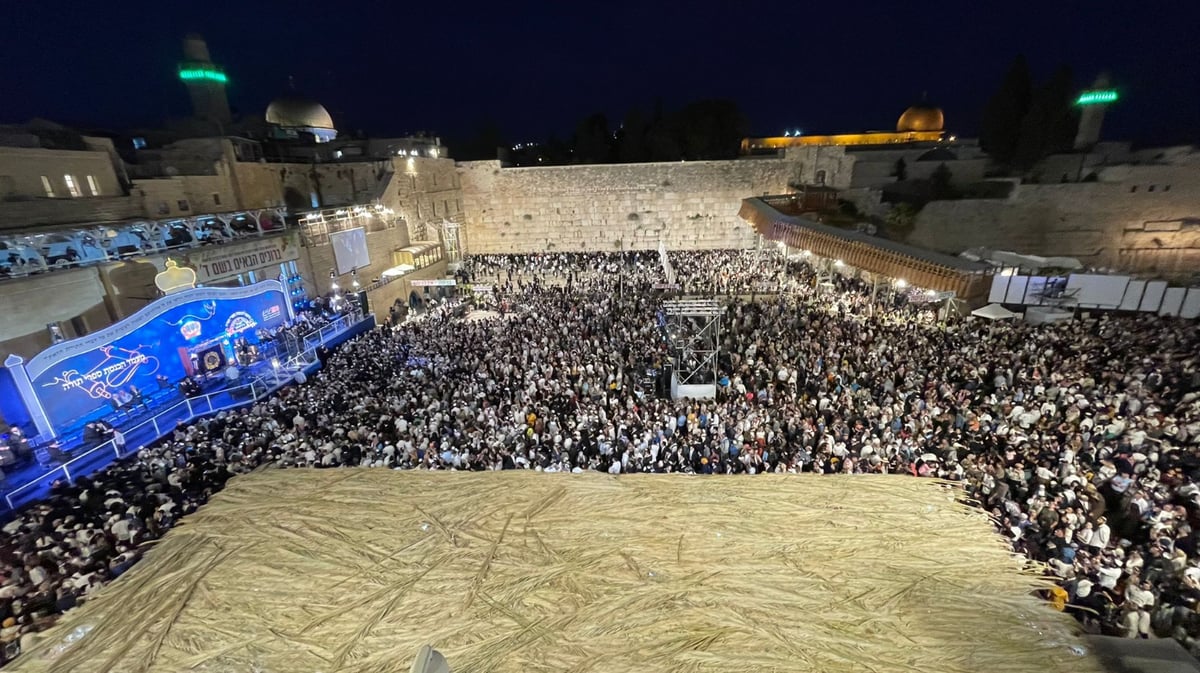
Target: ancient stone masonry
{"x":685,"y":205}
{"x":1139,"y":219}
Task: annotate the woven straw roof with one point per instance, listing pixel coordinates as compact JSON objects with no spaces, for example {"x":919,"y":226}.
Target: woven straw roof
{"x":298,"y":571}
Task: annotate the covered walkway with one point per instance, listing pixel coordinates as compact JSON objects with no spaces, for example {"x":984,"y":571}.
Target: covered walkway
{"x":968,"y":280}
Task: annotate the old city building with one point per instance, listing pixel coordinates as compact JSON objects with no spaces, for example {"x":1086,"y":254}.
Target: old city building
{"x":86,"y":220}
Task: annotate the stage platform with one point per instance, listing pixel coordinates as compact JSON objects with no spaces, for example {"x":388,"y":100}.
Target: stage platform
{"x":143,"y":426}
{"x":355,"y":569}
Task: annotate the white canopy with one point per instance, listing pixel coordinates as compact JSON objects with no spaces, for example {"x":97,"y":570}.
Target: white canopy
{"x":1031,"y":262}
{"x":994,"y":312}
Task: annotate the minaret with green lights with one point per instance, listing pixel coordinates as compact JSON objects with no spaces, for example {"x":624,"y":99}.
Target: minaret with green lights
{"x":1092,"y":103}
{"x":205,"y":82}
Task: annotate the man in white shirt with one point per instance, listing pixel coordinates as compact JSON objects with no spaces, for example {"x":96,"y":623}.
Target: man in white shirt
{"x":1140,"y":601}
{"x":1100,"y":535}
{"x":1109,"y":576}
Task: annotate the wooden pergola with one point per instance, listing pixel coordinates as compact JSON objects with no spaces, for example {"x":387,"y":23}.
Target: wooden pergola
{"x":928,"y":269}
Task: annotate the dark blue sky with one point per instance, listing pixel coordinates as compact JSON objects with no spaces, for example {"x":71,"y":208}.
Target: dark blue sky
{"x":536,"y":68}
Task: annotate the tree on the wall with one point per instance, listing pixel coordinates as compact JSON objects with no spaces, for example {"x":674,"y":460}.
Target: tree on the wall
{"x":1049,"y":125}
{"x":662,"y":136}
{"x":593,"y":142}
{"x":940,"y":182}
{"x":900,"y":221}
{"x":901,"y":170}
{"x":711,"y":129}
{"x":484,"y":144}
{"x":1000,"y":128}
{"x":631,"y":138}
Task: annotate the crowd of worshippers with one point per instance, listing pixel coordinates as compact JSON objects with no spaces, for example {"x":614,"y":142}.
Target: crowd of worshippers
{"x":1083,"y":438}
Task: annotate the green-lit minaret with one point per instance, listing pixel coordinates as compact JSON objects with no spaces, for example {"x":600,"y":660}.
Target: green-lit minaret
{"x":1093,"y":102}
{"x":205,"y":82}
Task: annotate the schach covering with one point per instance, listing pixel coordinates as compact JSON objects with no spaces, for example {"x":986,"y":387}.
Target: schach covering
{"x":294,"y":571}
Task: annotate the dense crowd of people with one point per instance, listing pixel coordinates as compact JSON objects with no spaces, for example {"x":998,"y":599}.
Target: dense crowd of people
{"x":1082,"y":438}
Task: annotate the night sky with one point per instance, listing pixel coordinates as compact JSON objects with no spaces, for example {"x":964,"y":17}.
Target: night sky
{"x":449,"y":67}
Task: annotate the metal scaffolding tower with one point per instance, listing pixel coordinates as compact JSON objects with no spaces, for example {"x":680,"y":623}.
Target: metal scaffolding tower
{"x":693,"y":328}
{"x":448,"y":234}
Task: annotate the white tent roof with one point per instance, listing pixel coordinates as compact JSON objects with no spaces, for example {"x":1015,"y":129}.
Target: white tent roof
{"x":994,"y":312}
{"x":1032,"y":262}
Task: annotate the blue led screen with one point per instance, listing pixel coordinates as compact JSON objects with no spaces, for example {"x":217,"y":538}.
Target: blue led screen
{"x":194,"y":328}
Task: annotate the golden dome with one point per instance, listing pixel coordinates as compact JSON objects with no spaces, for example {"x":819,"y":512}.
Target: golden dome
{"x":920,"y":118}
{"x":295,"y":111}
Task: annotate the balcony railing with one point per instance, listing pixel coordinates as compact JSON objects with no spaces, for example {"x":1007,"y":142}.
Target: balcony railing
{"x":96,"y":243}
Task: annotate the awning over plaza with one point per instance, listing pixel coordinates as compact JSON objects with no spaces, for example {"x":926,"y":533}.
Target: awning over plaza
{"x":994,"y":312}
{"x":418,"y":255}
{"x":919,"y":267}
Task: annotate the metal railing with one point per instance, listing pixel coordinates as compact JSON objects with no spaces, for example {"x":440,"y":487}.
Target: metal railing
{"x":196,"y":407}
{"x":87,"y":241}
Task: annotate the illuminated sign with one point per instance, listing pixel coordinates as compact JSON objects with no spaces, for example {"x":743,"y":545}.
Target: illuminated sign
{"x":110,"y":374}
{"x":190,"y":329}
{"x":1097,"y":97}
{"x":175,"y":278}
{"x":209,"y":74}
{"x":218,"y":263}
{"x":239,"y":322}
{"x":436,"y":282}
{"x":77,"y":378}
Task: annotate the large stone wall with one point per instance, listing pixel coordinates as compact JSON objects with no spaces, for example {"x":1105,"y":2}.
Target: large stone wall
{"x":424,"y":191}
{"x":258,"y":185}
{"x":317,"y":261}
{"x":29,"y":304}
{"x":419,"y":190}
{"x":22,"y":169}
{"x":201,"y":194}
{"x":1140,"y":219}
{"x":686,"y":205}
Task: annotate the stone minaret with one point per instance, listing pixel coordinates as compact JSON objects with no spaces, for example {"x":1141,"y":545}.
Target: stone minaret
{"x":205,"y":82}
{"x":1092,"y":116}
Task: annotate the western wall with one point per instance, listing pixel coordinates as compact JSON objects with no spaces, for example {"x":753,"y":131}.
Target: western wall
{"x":1143,"y":219}
{"x":1140,"y":218}
{"x":685,"y":205}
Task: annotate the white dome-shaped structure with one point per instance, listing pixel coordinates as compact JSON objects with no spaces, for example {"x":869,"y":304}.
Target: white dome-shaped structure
{"x":293,"y":112}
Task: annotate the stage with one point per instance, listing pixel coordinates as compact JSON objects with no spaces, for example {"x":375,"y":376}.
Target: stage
{"x":355,"y":569}
{"x":143,"y":425}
